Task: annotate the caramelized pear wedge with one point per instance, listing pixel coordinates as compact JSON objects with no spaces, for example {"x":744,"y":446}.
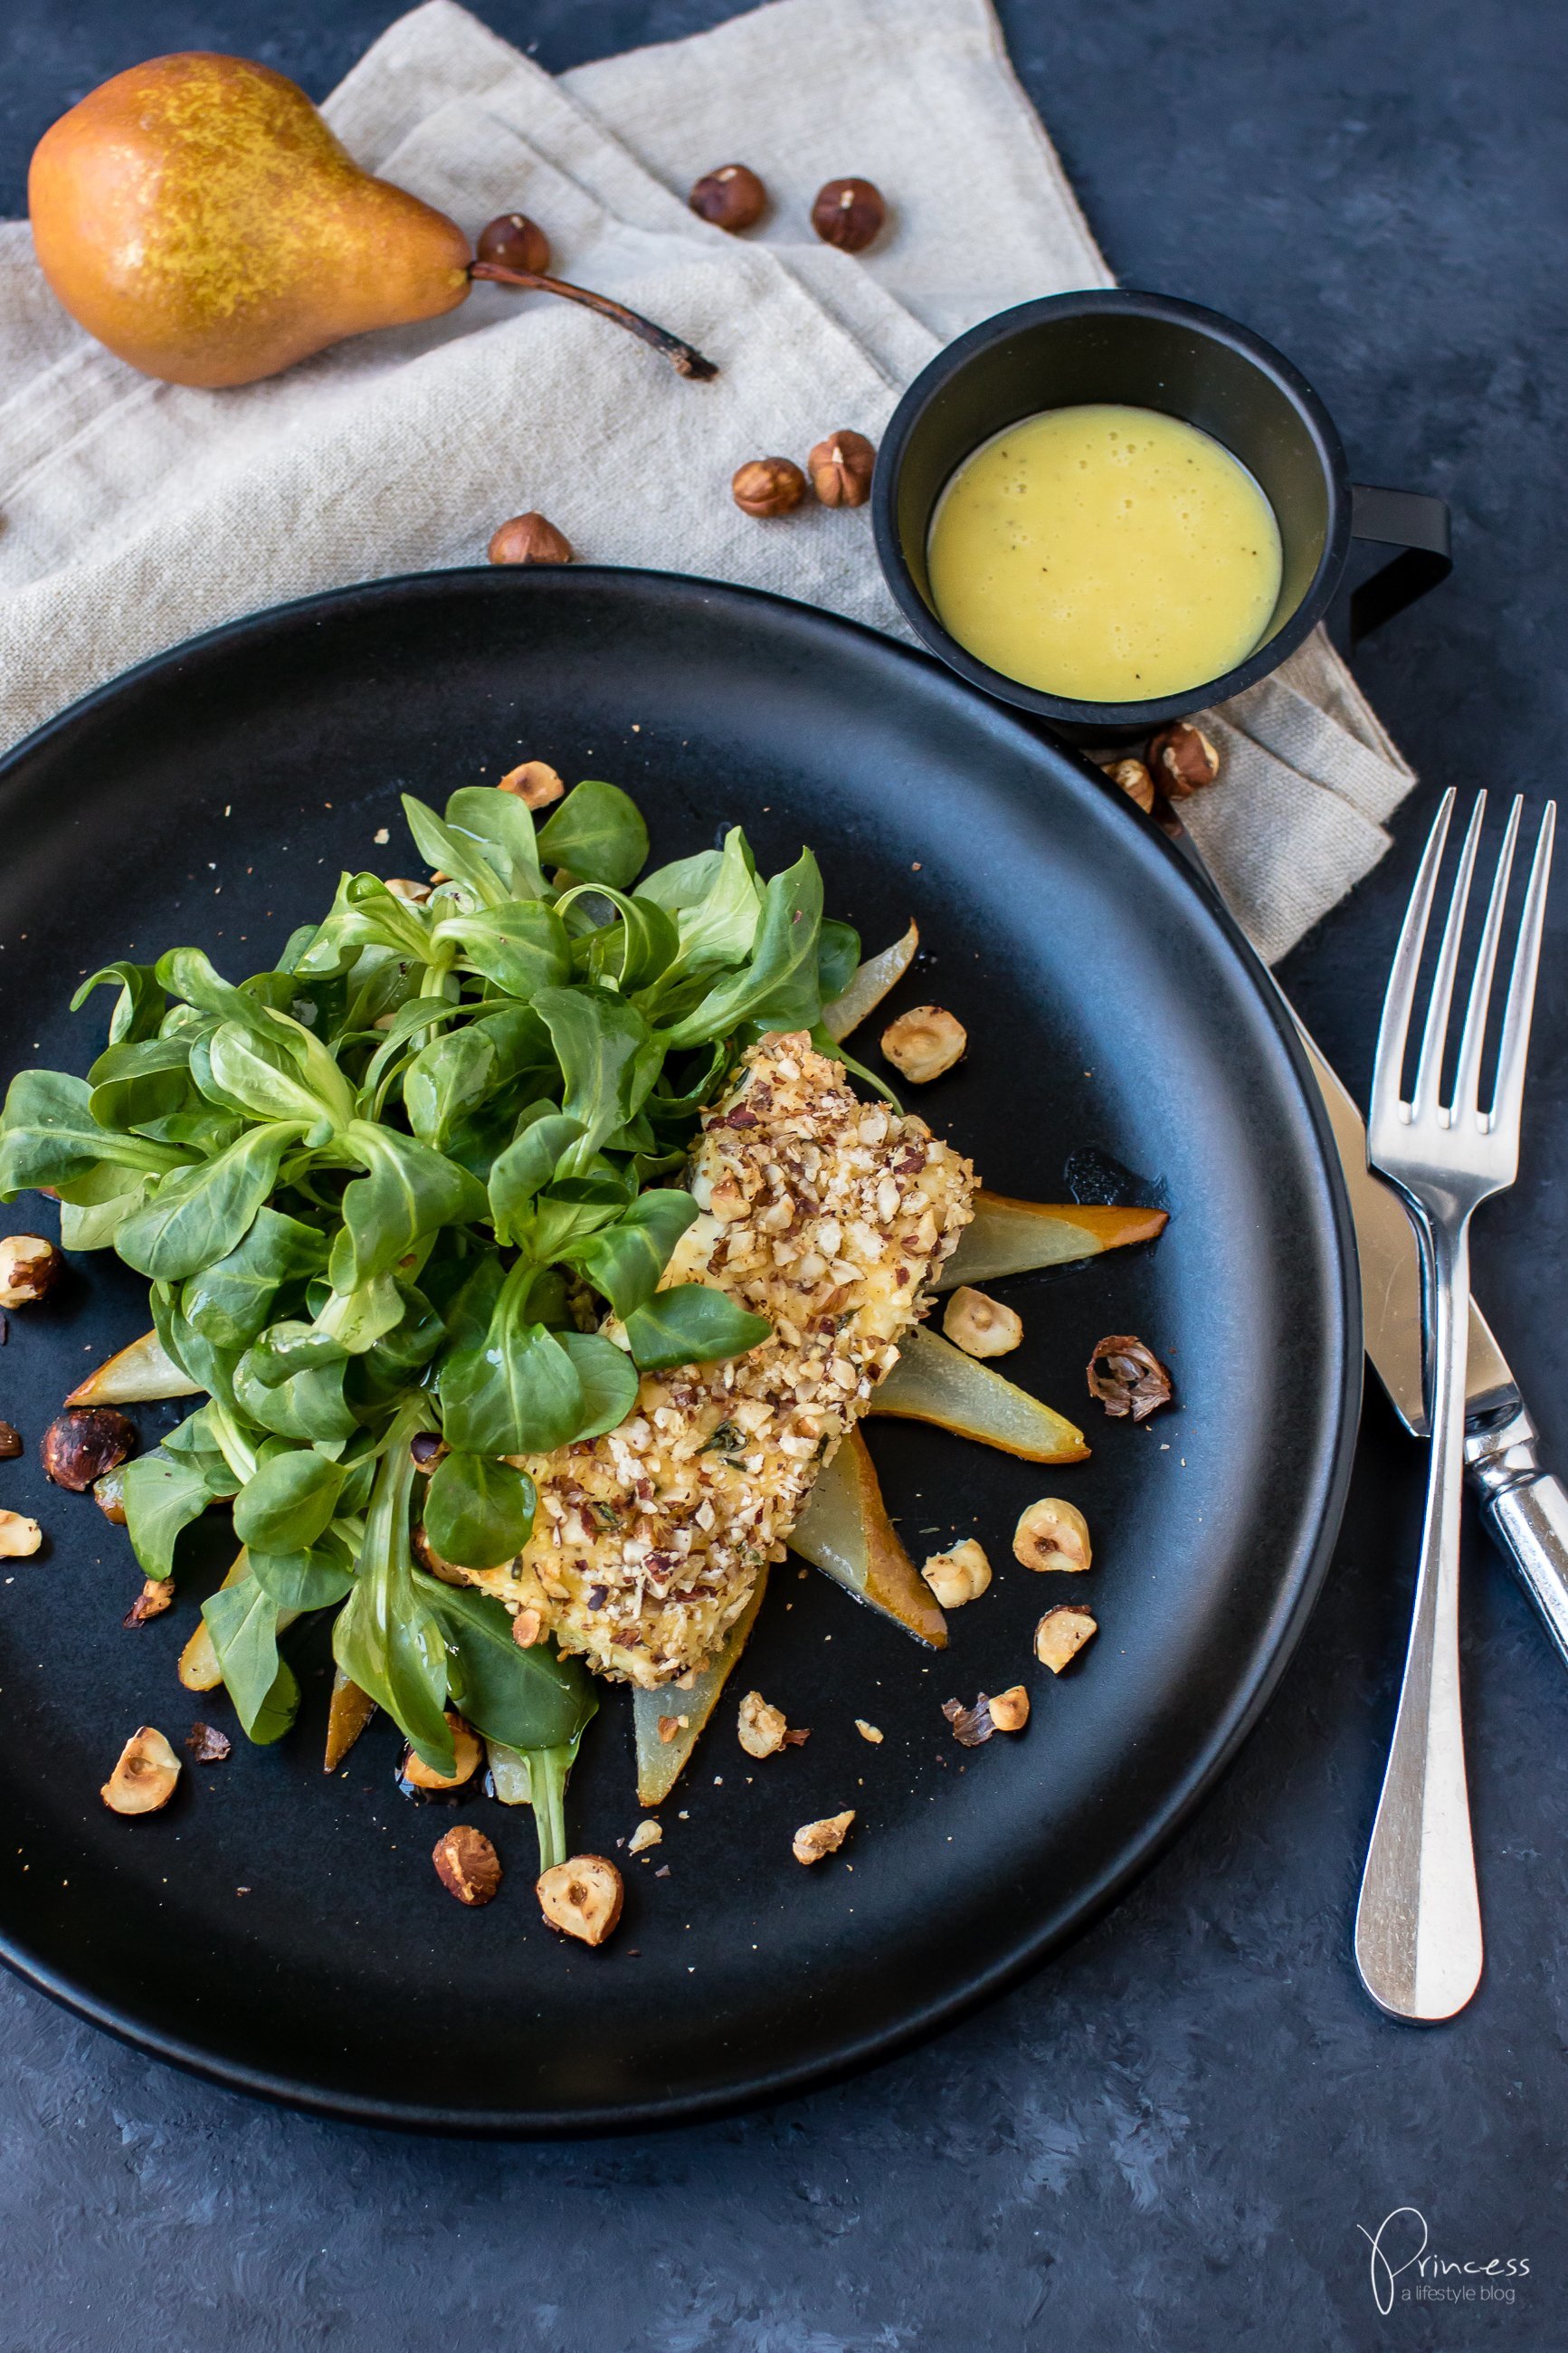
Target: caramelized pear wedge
{"x":135,"y":1377}
{"x":198,"y":1669}
{"x":845,"y":1531}
{"x":662,"y":1760}
{"x":1007,"y":1237}
{"x":868,"y":984}
{"x":934,"y":1381}
{"x":349,"y":1711}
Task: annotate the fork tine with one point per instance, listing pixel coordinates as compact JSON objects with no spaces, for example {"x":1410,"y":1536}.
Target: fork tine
{"x":1429,"y":1072}
{"x":1394,"y":1028}
{"x":1467,"y":1072}
{"x":1508,"y":1094}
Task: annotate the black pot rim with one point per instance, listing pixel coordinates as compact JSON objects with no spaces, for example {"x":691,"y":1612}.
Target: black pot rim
{"x":1128,"y":718}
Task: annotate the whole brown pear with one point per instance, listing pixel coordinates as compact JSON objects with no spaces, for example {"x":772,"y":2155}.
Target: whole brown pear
{"x":196,"y":214}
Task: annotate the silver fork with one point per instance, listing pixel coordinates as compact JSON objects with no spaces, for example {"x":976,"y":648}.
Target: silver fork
{"x":1418,"y":1923}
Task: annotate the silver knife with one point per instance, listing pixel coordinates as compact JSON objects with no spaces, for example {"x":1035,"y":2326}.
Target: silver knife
{"x":1526,"y":1506}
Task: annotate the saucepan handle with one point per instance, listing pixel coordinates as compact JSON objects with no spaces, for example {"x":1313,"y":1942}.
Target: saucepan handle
{"x":1415,"y":522}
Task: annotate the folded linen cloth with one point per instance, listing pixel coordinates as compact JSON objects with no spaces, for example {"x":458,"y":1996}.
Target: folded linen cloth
{"x":134,"y":514}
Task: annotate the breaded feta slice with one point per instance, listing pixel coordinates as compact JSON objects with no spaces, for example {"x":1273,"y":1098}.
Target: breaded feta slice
{"x":829,"y":1216}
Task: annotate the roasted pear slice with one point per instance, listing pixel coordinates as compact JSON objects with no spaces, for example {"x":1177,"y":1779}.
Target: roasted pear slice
{"x":1007,"y":1237}
{"x":135,"y":1377}
{"x":661,"y":1761}
{"x":350,"y":1712}
{"x":868,"y":984}
{"x":845,"y":1531}
{"x":934,"y":1381}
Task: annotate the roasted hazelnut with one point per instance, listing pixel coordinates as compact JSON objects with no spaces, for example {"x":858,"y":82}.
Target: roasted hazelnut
{"x":1010,"y":1709}
{"x":19,"y":1536}
{"x":466,"y":1864}
{"x":761,"y":1728}
{"x":581,"y":1897}
{"x":731,"y":198}
{"x":1127,"y":1377}
{"x":867,"y":1732}
{"x":848,"y":214}
{"x":1052,"y":1535}
{"x":959,"y":1575}
{"x":109,"y":1494}
{"x":10,"y":1443}
{"x":535,"y":782}
{"x":767,"y":486}
{"x":29,"y":1269}
{"x":465,"y":1741}
{"x":84,"y":1443}
{"x":155,"y":1597}
{"x":1182,"y":760}
{"x":527,"y":1628}
{"x":530,"y":538}
{"x":924,"y":1042}
{"x":512,"y":241}
{"x":647,"y":1834}
{"x":841,"y":469}
{"x":1062,"y":1633}
{"x":980,"y":1324}
{"x":146,"y":1776}
{"x":814,"y":1840}
{"x":206,"y":1743}
{"x":1135,"y":781}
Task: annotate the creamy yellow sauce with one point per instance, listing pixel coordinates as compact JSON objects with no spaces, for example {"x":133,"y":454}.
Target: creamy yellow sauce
{"x":1105,"y":553}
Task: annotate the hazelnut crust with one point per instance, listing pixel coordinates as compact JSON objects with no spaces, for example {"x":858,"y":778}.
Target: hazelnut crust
{"x":959,"y":1575}
{"x":530,"y":538}
{"x":1062,"y":1633}
{"x":841,"y":468}
{"x":980,"y":1324}
{"x":767,"y":486}
{"x":924,"y":1042}
{"x":535,"y":782}
{"x":19,"y":1536}
{"x":80,"y":1444}
{"x":29,"y":1269}
{"x":848,"y":214}
{"x":581,"y":1897}
{"x":144,"y":1777}
{"x":1182,"y":760}
{"x":1052,"y":1535}
{"x":466,"y":1864}
{"x":527,"y":1628}
{"x":465,"y":1740}
{"x":515,"y":242}
{"x":732,"y":197}
{"x":814,"y":1840}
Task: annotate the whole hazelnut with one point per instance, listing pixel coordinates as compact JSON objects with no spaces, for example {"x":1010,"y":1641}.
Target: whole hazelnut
{"x":84,"y":1443}
{"x":767,"y":486}
{"x":731,"y":198}
{"x":530,"y":538}
{"x":841,"y":468}
{"x":1182,"y":760}
{"x":512,"y":241}
{"x":29,"y":1269}
{"x":848,"y":214}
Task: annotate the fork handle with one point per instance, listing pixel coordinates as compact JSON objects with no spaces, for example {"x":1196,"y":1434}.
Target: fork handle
{"x":1418,"y":1923}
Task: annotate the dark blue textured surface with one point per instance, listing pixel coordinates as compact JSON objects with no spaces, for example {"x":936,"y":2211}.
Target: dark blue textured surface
{"x":1170,"y":2138}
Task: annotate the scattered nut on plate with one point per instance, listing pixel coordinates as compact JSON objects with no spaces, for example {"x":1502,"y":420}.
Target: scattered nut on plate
{"x":761,"y":1726}
{"x":535,"y":782}
{"x":465,"y":1740}
{"x":980,"y":1324}
{"x":814,"y":1840}
{"x":206,"y":1743}
{"x":971,"y":1726}
{"x":10,"y":1443}
{"x":155,"y":1597}
{"x":867,"y":1732}
{"x":583,"y":1897}
{"x":1127,"y":1377}
{"x":1052,"y":1535}
{"x":530,"y":538}
{"x":29,"y":1269}
{"x":1062,"y":1633}
{"x":959,"y":1575}
{"x":647,"y":1834}
{"x":466,"y":1864}
{"x":841,"y":468}
{"x":848,"y":214}
{"x":732,"y":197}
{"x":19,"y":1536}
{"x":144,"y":1777}
{"x":924,"y":1042}
{"x":1010,"y":1709}
{"x":1182,"y":760}
{"x":767,"y":486}
{"x":80,"y":1444}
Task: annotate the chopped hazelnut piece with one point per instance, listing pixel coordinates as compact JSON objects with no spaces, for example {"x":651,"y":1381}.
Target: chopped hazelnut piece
{"x":146,"y":1776}
{"x":10,"y":1443}
{"x":646,"y":1834}
{"x":1010,"y":1709}
{"x":1182,"y":760}
{"x":1052,"y":1535}
{"x":1135,"y":781}
{"x":867,"y":1732}
{"x":583,"y":1897}
{"x":924,"y":1042}
{"x":154,"y":1598}
{"x":971,"y":1726}
{"x":959,"y":1575}
{"x":466,"y":1864}
{"x":29,"y":1269}
{"x":207,"y":1744}
{"x":420,"y":1776}
{"x":980,"y":1324}
{"x":1062,"y":1633}
{"x":19,"y":1536}
{"x":763,"y":1728}
{"x":534,"y":782}
{"x":1127,"y":1377}
{"x":814,"y":1840}
{"x":527,"y":1627}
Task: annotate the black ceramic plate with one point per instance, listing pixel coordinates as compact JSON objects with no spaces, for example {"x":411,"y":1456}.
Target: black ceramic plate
{"x":286,"y":1933}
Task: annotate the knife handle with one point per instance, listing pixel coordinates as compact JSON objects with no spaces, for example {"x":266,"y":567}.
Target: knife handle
{"x":1528,"y":1511}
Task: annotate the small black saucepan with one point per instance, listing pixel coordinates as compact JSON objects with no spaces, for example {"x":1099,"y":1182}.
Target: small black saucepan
{"x":1150,"y":351}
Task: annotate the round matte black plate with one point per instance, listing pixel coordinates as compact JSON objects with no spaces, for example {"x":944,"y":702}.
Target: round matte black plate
{"x":286,"y":1933}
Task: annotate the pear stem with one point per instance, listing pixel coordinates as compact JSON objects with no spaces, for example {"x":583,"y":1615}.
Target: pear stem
{"x":683,"y":358}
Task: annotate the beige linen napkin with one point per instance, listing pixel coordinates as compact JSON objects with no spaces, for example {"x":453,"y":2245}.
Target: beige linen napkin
{"x":132,"y":514}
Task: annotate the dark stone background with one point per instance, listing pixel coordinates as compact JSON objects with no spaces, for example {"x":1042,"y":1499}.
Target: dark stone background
{"x":1170,"y":2137}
